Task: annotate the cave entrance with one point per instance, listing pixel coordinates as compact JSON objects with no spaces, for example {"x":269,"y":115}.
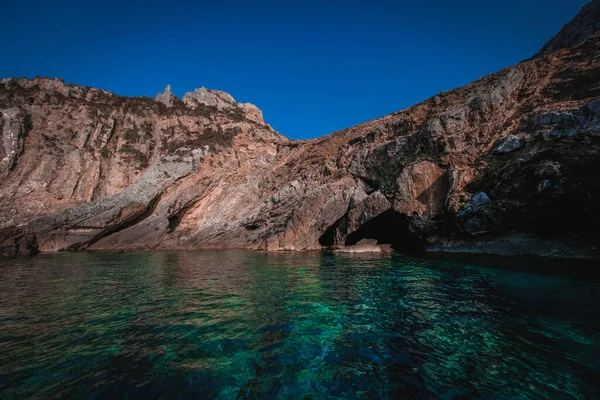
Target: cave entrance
{"x":389,"y":227}
{"x":327,"y":239}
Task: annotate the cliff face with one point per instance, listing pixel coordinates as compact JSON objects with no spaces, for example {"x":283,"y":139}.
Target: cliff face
{"x":584,"y":25}
{"x":517,"y":152}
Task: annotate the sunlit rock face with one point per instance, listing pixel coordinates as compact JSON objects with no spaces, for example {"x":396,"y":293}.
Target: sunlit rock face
{"x":86,"y":169}
{"x":214,"y":98}
{"x":166,"y":97}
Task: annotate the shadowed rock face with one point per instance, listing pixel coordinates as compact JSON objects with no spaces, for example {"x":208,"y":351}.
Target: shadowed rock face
{"x":515,"y":152}
{"x":584,"y":25}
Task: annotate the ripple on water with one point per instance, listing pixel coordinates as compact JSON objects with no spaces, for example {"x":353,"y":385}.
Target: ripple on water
{"x":235,"y":324}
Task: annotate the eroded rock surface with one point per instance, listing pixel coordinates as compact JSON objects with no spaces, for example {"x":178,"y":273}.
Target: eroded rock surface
{"x":508,"y":145}
{"x":516,"y":152}
{"x":365,"y":246}
{"x":584,"y":25}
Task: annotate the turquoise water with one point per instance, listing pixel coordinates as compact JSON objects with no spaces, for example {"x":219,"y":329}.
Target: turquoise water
{"x":235,"y":324}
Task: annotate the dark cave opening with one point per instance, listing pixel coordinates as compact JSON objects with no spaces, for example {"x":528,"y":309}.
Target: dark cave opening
{"x":327,"y":239}
{"x":173,"y":223}
{"x":389,"y":227}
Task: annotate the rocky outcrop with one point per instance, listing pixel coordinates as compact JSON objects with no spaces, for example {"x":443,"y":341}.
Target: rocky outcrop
{"x":16,"y":241}
{"x":514,"y":153}
{"x":252,"y":112}
{"x":584,"y":25}
{"x":508,"y":145}
{"x":365,"y":246}
{"x":13,"y":127}
{"x":165,"y":97}
{"x":213,"y":98}
{"x":82,"y":226}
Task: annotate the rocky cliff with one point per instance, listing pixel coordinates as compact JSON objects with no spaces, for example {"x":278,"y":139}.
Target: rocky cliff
{"x":579,"y":29}
{"x":507,"y":164}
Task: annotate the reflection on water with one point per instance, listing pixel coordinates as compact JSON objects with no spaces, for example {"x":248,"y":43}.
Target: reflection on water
{"x":235,"y":324}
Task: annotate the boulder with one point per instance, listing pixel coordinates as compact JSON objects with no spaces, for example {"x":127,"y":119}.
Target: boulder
{"x":508,"y":145}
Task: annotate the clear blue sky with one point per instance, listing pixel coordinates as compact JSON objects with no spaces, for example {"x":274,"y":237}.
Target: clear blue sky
{"x":313,"y":67}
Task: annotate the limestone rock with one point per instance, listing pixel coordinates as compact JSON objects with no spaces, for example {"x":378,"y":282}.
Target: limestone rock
{"x":222,"y":101}
{"x":214,"y":98}
{"x":478,"y":203}
{"x":374,"y":205}
{"x":83,"y":168}
{"x":421,"y":188}
{"x":252,"y":112}
{"x":508,"y":145}
{"x":17,"y":242}
{"x":365,"y":246}
{"x":13,"y":129}
{"x":584,"y":25}
{"x":166,"y":97}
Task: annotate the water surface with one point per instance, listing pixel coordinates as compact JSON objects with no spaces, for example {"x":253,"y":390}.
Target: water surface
{"x":236,"y":324}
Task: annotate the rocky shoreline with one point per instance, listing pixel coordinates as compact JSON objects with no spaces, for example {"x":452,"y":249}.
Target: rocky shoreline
{"x":508,"y":164}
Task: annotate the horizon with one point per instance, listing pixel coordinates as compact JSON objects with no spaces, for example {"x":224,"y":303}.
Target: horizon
{"x":305,"y":47}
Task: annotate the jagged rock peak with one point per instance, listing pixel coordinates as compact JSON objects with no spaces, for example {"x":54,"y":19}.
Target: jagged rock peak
{"x":216,"y":98}
{"x":579,"y":29}
{"x":252,"y":112}
{"x":222,"y":101}
{"x":166,"y":97}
